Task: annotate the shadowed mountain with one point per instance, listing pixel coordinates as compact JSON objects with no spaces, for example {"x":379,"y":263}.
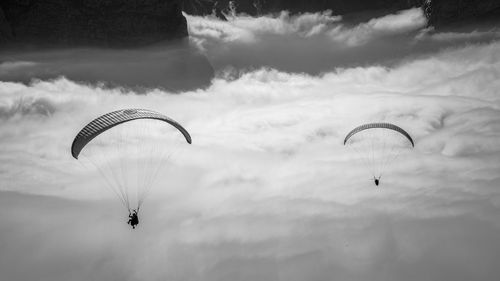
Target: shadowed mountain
{"x":126,"y":43}
{"x":113,"y":23}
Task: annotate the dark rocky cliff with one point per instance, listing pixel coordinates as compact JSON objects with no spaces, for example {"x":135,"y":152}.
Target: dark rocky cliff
{"x":5,"y":31}
{"x":72,"y":38}
{"x":143,"y":22}
{"x":452,"y":11}
{"x":91,"y":22}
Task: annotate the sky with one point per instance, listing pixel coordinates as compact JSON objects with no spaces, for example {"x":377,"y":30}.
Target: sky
{"x":267,"y":190}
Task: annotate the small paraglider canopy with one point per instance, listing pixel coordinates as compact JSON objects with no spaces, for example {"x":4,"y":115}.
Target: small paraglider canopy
{"x":379,"y":126}
{"x":378,"y":144}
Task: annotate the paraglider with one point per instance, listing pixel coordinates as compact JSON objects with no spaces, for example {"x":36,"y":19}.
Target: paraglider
{"x":378,"y":144}
{"x":133,"y":219}
{"x":129,"y":148}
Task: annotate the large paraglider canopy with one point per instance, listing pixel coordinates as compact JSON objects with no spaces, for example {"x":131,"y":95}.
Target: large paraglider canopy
{"x":129,"y":148}
{"x":378,"y":144}
{"x":109,"y":120}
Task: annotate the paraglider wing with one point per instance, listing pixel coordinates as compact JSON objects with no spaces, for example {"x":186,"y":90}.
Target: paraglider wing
{"x":378,"y":144}
{"x":109,"y":120}
{"x":379,"y":125}
{"x":129,"y":148}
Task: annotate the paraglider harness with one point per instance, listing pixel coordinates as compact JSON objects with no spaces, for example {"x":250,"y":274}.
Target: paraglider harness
{"x":376,"y":180}
{"x":133,"y":218}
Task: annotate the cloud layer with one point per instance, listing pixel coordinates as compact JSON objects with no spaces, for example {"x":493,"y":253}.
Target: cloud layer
{"x":317,"y":43}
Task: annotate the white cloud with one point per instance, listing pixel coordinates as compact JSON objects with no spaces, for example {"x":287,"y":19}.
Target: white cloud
{"x":391,"y":25}
{"x":318,"y":43}
{"x":247,"y":29}
{"x":268,"y":115}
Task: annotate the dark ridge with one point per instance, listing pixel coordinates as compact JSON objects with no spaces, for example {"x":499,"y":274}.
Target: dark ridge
{"x":453,"y":12}
{"x":80,"y":23}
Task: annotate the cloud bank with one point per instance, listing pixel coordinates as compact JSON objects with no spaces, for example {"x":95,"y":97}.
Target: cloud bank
{"x":321,"y":42}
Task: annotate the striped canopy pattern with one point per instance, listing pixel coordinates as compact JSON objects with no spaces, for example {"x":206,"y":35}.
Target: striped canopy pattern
{"x":379,"y":125}
{"x":109,"y":120}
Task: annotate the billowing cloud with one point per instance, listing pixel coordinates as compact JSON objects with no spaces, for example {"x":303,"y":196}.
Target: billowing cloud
{"x":402,"y":23}
{"x":267,"y":191}
{"x":321,"y":42}
{"x":247,"y":29}
{"x":311,"y":43}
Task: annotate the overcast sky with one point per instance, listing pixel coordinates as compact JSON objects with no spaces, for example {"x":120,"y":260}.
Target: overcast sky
{"x":267,"y":191}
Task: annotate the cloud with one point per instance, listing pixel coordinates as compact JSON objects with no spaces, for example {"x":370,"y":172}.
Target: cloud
{"x":174,"y":67}
{"x":401,"y":23}
{"x":248,"y":29}
{"x":460,"y":36}
{"x":319,"y":43}
{"x":311,"y":43}
{"x":251,"y":30}
{"x":271,"y":111}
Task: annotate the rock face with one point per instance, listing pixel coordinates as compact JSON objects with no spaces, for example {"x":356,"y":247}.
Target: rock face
{"x":5,"y":32}
{"x":91,"y":22}
{"x":449,"y":11}
{"x":48,"y":39}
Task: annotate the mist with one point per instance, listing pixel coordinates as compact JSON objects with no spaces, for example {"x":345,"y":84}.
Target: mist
{"x":172,"y":66}
{"x":267,"y":190}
